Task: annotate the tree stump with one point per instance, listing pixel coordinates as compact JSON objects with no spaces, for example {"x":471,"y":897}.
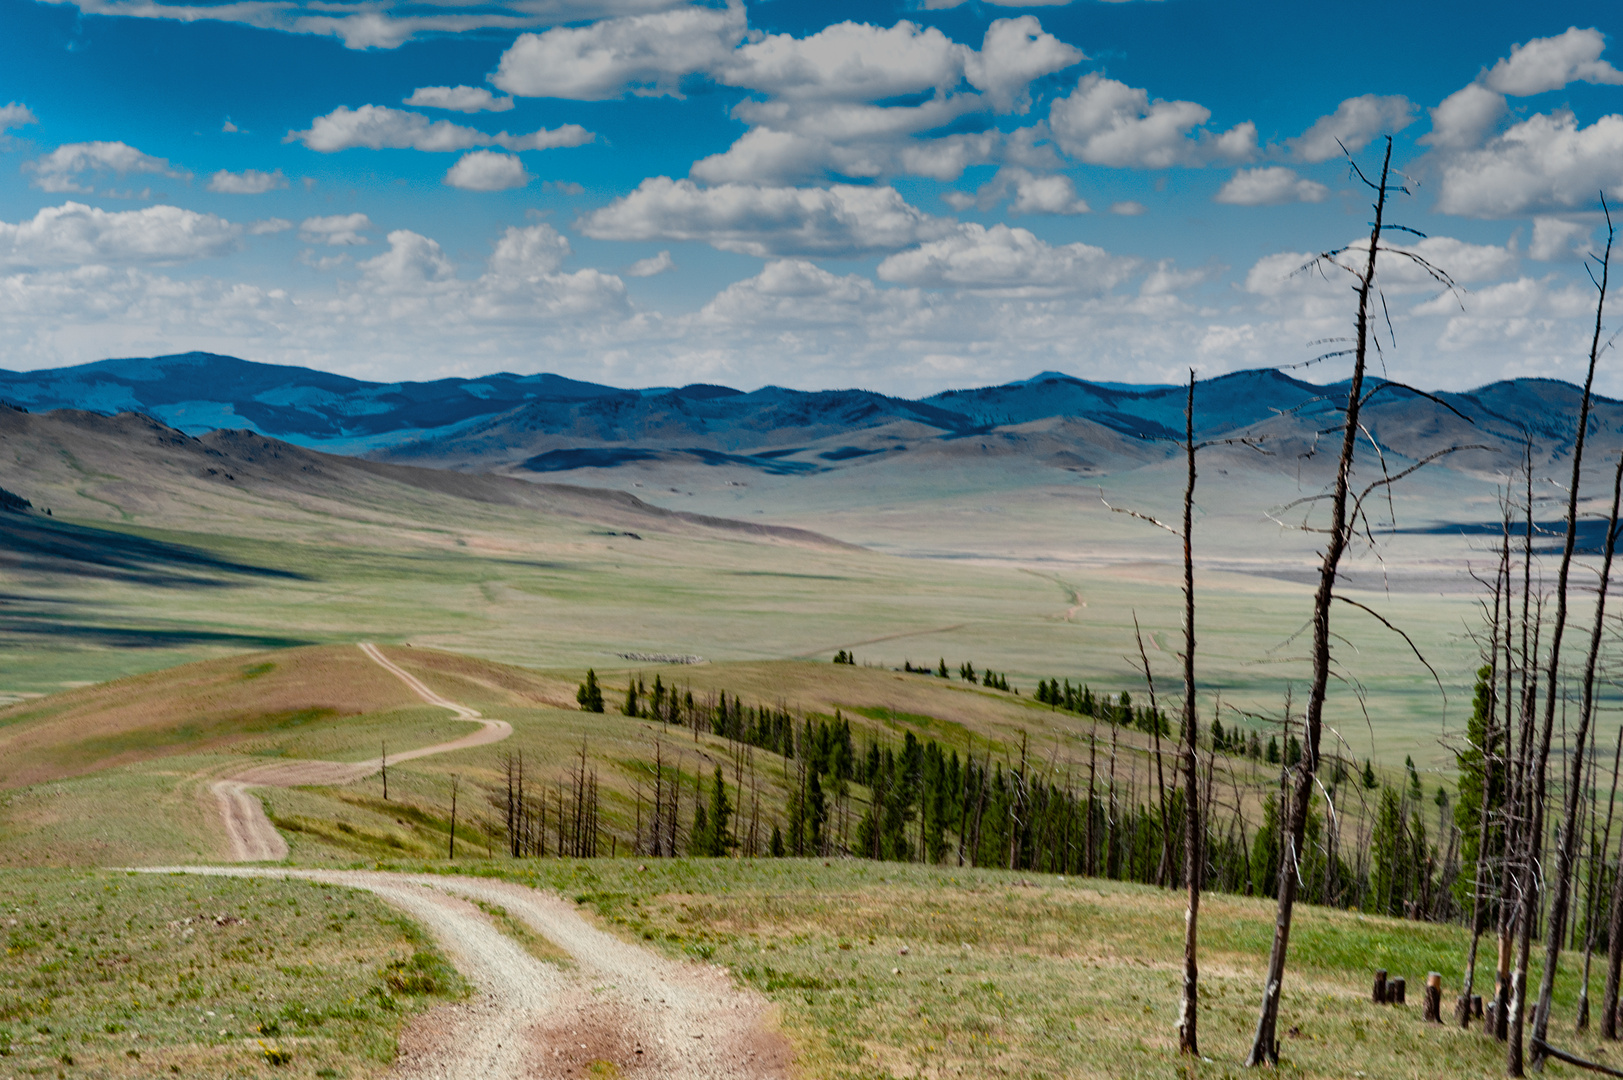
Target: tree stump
{"x":1395,"y":990}
{"x":1463,"y":1011}
{"x":1378,"y":995}
{"x":1476,"y":1006}
{"x":1432,"y":1010}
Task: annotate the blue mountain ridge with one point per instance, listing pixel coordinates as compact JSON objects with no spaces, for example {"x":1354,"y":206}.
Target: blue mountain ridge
{"x":554,"y":423}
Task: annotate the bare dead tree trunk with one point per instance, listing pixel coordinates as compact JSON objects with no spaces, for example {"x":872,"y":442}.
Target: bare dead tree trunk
{"x":1597,"y":858}
{"x":1614,"y":939}
{"x":1490,"y":742}
{"x":1188,"y":1006}
{"x":1517,"y":882}
{"x":1265,"y":1044}
{"x":1160,"y":777}
{"x":452,"y":837}
{"x":1567,"y":852}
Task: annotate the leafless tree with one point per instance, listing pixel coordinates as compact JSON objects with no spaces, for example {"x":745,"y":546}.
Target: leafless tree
{"x":1566,"y":854}
{"x":1338,"y":534}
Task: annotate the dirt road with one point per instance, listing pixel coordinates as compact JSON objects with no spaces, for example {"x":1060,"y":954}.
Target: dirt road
{"x":254,"y":839}
{"x":620,"y":1004}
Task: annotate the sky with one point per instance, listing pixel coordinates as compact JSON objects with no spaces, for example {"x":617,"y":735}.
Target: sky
{"x":905,"y":197}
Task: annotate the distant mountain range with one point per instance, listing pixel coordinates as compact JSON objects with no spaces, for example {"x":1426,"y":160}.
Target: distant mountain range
{"x":550,"y":424}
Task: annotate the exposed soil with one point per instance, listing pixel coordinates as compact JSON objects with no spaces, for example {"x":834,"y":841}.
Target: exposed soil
{"x":621,"y":1010}
{"x":251,"y":835}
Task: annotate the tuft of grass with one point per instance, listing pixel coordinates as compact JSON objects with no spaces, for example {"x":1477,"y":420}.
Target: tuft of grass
{"x":537,"y":945}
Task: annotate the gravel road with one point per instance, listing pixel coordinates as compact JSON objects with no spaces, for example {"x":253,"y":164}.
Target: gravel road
{"x":254,"y":839}
{"x":619,"y":1003}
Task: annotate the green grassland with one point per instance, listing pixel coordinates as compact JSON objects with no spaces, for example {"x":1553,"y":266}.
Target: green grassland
{"x":138,"y":975}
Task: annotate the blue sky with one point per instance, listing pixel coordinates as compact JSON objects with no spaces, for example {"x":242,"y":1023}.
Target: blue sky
{"x":900,"y":196}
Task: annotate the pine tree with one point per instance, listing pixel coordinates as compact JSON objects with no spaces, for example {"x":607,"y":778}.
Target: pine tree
{"x":630,"y":707}
{"x":590,"y":695}
{"x":1272,"y":757}
{"x":777,"y":842}
{"x":699,"y":841}
{"x":1389,"y":854}
{"x":717,"y":840}
{"x":941,"y":671}
{"x":1265,"y":849}
{"x":1370,"y":782}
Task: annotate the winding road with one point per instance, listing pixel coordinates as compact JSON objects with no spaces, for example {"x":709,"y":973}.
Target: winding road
{"x":254,"y":839}
{"x":619,"y":1003}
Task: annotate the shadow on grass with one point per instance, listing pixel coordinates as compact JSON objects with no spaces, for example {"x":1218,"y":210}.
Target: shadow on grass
{"x":40,"y":629}
{"x":30,"y":543}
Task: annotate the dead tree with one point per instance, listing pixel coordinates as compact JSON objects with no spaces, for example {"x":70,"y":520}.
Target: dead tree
{"x":1193,"y":833}
{"x":451,"y":835}
{"x":1490,"y":744}
{"x":1597,"y":858}
{"x":1338,"y":535}
{"x":1567,"y":853}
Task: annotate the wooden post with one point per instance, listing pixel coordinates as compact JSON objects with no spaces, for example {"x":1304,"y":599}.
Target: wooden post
{"x":1434,"y":998}
{"x":1378,"y":995}
{"x":1395,"y":989}
{"x":1476,"y":1005}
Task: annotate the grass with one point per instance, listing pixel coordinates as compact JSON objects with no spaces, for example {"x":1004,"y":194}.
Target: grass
{"x":125,"y":975}
{"x":893,"y":970}
{"x":533,"y":943}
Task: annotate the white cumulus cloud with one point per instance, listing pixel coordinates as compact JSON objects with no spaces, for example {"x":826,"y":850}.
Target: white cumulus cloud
{"x":1546,"y":162}
{"x":1028,"y":193}
{"x":1013,"y":54}
{"x":1106,"y":122}
{"x":74,"y":234}
{"x":247,"y":182}
{"x":651,"y":266}
{"x":1354,"y":123}
{"x":487,"y":170}
{"x":16,"y":115}
{"x":1550,"y":63}
{"x":377,"y":127}
{"x":467,"y":99}
{"x":1270,"y":186}
{"x":763,"y":221}
{"x":1005,"y":258}
{"x":1465,"y":117}
{"x":642,"y":54}
{"x":1559,"y":238}
{"x":338,"y":230}
{"x":60,"y":169}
